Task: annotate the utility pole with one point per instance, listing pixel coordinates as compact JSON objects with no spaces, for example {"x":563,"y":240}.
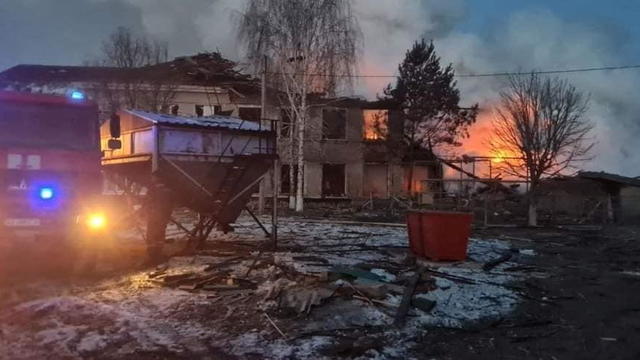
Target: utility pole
{"x":263,"y":116}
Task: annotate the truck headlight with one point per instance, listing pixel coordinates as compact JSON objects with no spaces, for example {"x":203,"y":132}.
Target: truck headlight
{"x":96,"y":221}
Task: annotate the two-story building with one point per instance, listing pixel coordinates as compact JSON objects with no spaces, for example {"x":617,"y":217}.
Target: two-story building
{"x":349,"y":153}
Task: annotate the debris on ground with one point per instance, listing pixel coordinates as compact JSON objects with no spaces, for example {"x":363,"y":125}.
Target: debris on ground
{"x":327,"y":291}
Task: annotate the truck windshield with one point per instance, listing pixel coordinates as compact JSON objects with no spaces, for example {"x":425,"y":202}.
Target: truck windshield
{"x":48,"y":125}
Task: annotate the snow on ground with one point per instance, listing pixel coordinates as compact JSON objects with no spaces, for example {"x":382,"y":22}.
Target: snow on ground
{"x":130,"y":316}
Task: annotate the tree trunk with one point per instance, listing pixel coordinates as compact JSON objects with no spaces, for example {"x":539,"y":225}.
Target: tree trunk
{"x":533,"y":206}
{"x":533,"y":213}
{"x":300,"y":186}
{"x":410,"y":180}
{"x":292,"y":174}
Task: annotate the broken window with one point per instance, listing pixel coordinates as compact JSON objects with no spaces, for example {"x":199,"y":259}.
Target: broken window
{"x":285,"y":181}
{"x":175,"y":109}
{"x":285,"y":123}
{"x":250,"y":114}
{"x":375,"y":124}
{"x":199,"y":110}
{"x":333,"y":180}
{"x":334,"y":124}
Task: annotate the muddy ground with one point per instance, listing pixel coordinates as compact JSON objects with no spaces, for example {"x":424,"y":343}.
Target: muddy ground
{"x":578,"y":297}
{"x":591,"y":307}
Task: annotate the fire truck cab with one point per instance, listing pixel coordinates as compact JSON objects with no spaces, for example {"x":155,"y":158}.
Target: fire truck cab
{"x":50,"y":177}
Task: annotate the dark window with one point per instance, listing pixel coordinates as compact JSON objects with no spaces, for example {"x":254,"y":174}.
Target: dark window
{"x":285,"y":123}
{"x":249,"y":114}
{"x":217,"y":109}
{"x":333,"y":180}
{"x":334,"y":124}
{"x":285,"y":181}
{"x":174,"y":109}
{"x":199,"y":110}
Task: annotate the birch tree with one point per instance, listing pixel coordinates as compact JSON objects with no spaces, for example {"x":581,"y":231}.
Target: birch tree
{"x":542,"y":121}
{"x":311,"y":47}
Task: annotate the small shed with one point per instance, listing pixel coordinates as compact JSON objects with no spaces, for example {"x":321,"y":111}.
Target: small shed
{"x":574,"y":199}
{"x":624,"y":192}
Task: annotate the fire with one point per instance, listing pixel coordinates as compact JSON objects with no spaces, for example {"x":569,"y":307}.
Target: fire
{"x":499,"y":156}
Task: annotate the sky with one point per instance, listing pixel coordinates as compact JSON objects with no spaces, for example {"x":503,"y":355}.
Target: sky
{"x":476,"y":36}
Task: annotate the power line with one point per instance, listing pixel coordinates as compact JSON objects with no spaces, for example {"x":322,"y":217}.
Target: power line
{"x":565,"y":71}
{"x":493,"y":74}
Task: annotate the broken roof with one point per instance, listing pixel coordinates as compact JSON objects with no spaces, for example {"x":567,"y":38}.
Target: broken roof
{"x":214,"y":121}
{"x":612,"y":178}
{"x":205,"y":69}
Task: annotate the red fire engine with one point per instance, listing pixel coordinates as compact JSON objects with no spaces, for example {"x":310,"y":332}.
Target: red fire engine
{"x":49,"y":169}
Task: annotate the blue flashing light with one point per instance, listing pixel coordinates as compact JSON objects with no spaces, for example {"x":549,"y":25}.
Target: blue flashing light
{"x":46,"y":193}
{"x":77,"y":95}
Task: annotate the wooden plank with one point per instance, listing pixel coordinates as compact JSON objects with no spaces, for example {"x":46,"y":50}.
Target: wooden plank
{"x":403,"y":309}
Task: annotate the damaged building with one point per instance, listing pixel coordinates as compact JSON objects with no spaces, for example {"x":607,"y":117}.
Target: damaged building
{"x":591,"y":197}
{"x":200,"y":85}
{"x":349,"y":153}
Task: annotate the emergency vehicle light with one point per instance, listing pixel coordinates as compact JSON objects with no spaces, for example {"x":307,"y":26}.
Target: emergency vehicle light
{"x":46,"y":193}
{"x":77,"y":95}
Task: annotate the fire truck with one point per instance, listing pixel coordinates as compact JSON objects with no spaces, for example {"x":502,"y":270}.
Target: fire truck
{"x":50,"y":177}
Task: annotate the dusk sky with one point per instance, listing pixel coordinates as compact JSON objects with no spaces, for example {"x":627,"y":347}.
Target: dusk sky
{"x":477,"y":36}
{"x":70,"y":31}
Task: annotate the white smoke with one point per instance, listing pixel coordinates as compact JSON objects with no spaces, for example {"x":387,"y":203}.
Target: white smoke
{"x":524,"y":41}
{"x":69,"y":31}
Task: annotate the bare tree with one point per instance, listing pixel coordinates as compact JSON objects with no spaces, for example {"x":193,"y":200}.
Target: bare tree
{"x":311,"y":46}
{"x":139,"y":84}
{"x":542,"y":121}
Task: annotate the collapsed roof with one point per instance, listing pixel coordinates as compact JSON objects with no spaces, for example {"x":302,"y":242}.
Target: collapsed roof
{"x":205,"y":69}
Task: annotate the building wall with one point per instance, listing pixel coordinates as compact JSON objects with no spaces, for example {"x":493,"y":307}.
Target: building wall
{"x":376,"y":180}
{"x":630,"y":204}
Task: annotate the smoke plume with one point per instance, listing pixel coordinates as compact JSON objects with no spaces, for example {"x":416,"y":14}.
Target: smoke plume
{"x":70,"y":31}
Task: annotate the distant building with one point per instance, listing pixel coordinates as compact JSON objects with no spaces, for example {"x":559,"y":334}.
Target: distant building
{"x":591,"y":197}
{"x":199,"y":85}
{"x":624,"y":193}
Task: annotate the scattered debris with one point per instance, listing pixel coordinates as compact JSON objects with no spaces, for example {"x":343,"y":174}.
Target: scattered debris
{"x":317,"y":302}
{"x":504,"y":258}
{"x":403,"y":309}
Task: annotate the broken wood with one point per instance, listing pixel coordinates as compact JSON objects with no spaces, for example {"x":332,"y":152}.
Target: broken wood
{"x":455,"y":278}
{"x":253,"y":264}
{"x":275,"y":326}
{"x":403,"y":309}
{"x":214,"y":266}
{"x":379,"y":302}
{"x":495,"y":262}
{"x":221,"y":287}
